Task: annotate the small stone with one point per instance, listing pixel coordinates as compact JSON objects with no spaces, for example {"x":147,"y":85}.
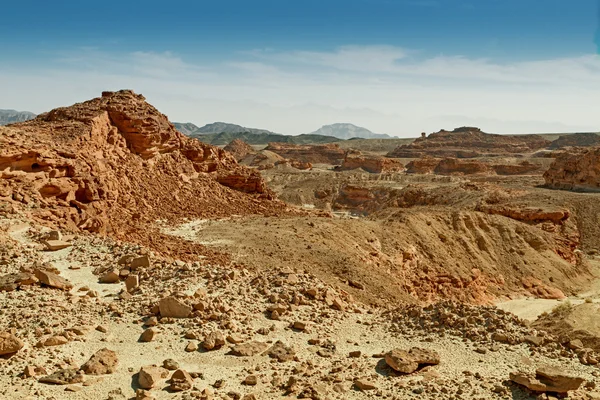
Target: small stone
{"x":54,"y":245}
{"x":149,"y":376}
{"x":9,"y":343}
{"x":213,"y":340}
{"x":111,"y":276}
{"x":102,"y":328}
{"x":132,"y":282}
{"x":148,"y":335}
{"x":181,"y":380}
{"x":170,"y":364}
{"x":251,"y":380}
{"x":191,"y":347}
{"x":364,"y":384}
{"x":300,"y":325}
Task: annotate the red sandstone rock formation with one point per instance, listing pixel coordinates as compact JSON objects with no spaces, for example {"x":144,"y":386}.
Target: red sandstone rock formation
{"x":449,"y":166}
{"x":101,"y":164}
{"x":375,"y":164}
{"x":239,"y":149}
{"x":425,"y":165}
{"x":469,"y":142}
{"x":578,"y":169}
{"x":314,"y":154}
{"x":453,"y":166}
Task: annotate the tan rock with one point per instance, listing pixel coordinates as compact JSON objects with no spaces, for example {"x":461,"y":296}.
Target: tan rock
{"x":149,"y":376}
{"x":213,"y":340}
{"x":11,"y":282}
{"x":365,"y":384}
{"x":251,"y":380}
{"x":171,"y":307}
{"x":56,"y":340}
{"x":148,"y":335}
{"x":9,"y":343}
{"x":51,"y":279}
{"x":140,"y":262}
{"x":63,"y":377}
{"x":181,"y":380}
{"x":54,"y":245}
{"x":547,"y":379}
{"x":111,"y":276}
{"x":249,"y":349}
{"x":132,"y":282}
{"x":104,"y":361}
{"x":191,"y":347}
{"x":408,"y":361}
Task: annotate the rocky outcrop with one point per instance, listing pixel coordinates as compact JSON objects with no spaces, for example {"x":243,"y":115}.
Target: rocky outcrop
{"x":454,"y":166}
{"x":314,"y":154}
{"x":98,"y":164}
{"x":375,"y":164}
{"x":578,"y":169}
{"x":583,"y":139}
{"x":266,"y":159}
{"x":522,"y":168}
{"x":425,"y":165}
{"x":239,"y":149}
{"x":451,"y":166}
{"x":469,"y":142}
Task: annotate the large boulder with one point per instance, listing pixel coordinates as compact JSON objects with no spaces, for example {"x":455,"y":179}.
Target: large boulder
{"x":409,"y":361}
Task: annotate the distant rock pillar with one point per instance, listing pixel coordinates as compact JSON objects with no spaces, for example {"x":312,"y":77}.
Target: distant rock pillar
{"x":423,"y":135}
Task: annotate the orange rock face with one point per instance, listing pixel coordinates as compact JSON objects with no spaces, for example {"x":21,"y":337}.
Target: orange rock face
{"x":314,"y":154}
{"x":578,"y":169}
{"x":104,"y":163}
{"x":468,"y":142}
{"x":374,"y":164}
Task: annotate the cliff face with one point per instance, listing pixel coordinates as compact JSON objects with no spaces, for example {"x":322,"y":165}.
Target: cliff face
{"x":374,"y":164}
{"x":578,"y":169}
{"x":314,"y":154}
{"x":468,"y":142}
{"x":98,"y":164}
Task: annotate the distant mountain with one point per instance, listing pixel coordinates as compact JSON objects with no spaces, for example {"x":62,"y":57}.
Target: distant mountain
{"x":223,"y":138}
{"x":190,"y":129}
{"x":12,"y":116}
{"x":348,"y":131}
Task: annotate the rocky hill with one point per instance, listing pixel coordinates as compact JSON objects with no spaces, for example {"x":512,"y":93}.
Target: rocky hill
{"x":348,"y":131}
{"x":468,"y":142}
{"x":582,"y":139}
{"x":314,"y":154}
{"x":220,"y":139}
{"x":190,"y":129}
{"x":100,"y":164}
{"x":12,"y":116}
{"x":577,"y":169}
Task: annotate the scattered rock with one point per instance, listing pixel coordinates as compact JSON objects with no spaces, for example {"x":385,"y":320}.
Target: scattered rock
{"x":63,"y":377}
{"x":547,"y":379}
{"x":181,"y":380}
{"x":104,"y":361}
{"x":148,"y":335}
{"x":249,"y":349}
{"x":149,"y":376}
{"x":170,"y":307}
{"x":408,"y":362}
{"x":9,"y":343}
{"x":51,"y":279}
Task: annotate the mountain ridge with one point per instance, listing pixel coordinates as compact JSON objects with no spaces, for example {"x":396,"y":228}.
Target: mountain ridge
{"x":345,"y":130}
{"x":10,"y":116}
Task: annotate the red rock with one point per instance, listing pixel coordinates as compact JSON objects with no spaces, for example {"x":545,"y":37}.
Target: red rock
{"x":374,"y":164}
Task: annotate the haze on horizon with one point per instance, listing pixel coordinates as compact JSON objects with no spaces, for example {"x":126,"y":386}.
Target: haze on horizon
{"x":396,"y":67}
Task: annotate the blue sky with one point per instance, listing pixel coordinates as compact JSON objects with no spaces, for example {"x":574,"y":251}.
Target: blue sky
{"x":394,"y":66}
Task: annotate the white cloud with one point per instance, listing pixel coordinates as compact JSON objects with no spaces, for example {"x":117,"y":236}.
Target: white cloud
{"x":386,"y":89}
